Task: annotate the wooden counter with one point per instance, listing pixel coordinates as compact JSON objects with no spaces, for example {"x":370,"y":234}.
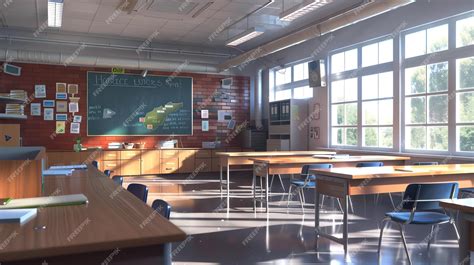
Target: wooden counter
{"x":87,"y":234}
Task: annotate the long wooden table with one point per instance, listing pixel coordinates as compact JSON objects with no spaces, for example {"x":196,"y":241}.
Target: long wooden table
{"x":466,"y":244}
{"x":228,"y":159}
{"x":265,"y":167}
{"x":344,"y":182}
{"x":114,"y":224}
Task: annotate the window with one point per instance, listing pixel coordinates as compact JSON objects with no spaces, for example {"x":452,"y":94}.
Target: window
{"x":423,"y":42}
{"x":465,"y":105}
{"x":465,"y":32}
{"x":375,"y":127}
{"x":290,"y":82}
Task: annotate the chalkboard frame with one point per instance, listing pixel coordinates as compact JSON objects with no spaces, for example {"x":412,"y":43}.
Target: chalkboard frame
{"x":140,"y":135}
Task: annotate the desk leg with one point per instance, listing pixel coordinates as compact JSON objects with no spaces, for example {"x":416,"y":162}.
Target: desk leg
{"x":345,"y":223}
{"x":316,"y":213}
{"x":254,"y":187}
{"x":220,"y":169}
{"x":266,"y":190}
{"x":228,"y":185}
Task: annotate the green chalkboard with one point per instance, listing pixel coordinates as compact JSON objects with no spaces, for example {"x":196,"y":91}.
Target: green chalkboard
{"x":129,"y":104}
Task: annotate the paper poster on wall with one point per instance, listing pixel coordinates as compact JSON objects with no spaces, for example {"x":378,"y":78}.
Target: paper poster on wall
{"x":61,"y":95}
{"x":48,"y":114}
{"x":61,"y":117}
{"x":61,"y":88}
{"x":48,"y":103}
{"x":77,"y":118}
{"x":61,"y":106}
{"x":73,"y":107}
{"x":204,"y":114}
{"x":35,"y":109}
{"x":73,"y":88}
{"x":205,"y":126}
{"x":231,"y":124}
{"x":75,"y":128}
{"x":40,"y":91}
{"x":223,"y":115}
{"x":60,"y":127}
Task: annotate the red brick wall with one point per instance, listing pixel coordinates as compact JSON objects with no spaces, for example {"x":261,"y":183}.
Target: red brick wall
{"x":37,"y":132}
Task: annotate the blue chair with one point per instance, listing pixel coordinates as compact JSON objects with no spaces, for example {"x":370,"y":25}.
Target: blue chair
{"x":107,"y":172}
{"x":467,"y":192}
{"x":95,"y":164}
{"x":425,"y":163}
{"x":139,"y":190}
{"x":420,"y":206}
{"x":118,"y":180}
{"x":306,"y":181}
{"x":162,"y":207}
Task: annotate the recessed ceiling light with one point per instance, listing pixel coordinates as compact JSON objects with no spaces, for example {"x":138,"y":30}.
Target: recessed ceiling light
{"x":244,"y":36}
{"x":55,"y":13}
{"x":302,"y":9}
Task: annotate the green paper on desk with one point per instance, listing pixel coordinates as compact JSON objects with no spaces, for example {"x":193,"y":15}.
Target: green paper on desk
{"x":51,"y":201}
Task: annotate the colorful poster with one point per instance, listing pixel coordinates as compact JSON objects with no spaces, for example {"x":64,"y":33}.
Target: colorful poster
{"x":73,"y":88}
{"x":61,"y":95}
{"x":60,"y":87}
{"x":61,"y":117}
{"x":204,"y":114}
{"x":61,"y":106}
{"x":48,"y":103}
{"x":60,"y":127}
{"x":205,"y":126}
{"x":75,"y":128}
{"x":77,"y":118}
{"x":35,"y":109}
{"x":48,"y":114}
{"x":40,"y":91}
{"x":73,"y":107}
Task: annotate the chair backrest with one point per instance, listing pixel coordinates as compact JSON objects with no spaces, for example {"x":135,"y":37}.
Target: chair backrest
{"x":370,"y":164}
{"x":118,"y":180}
{"x":306,"y":168}
{"x":95,"y":164}
{"x":162,"y":207}
{"x":139,"y":190}
{"x":426,"y":196}
{"x":425,"y":163}
{"x":107,"y":172}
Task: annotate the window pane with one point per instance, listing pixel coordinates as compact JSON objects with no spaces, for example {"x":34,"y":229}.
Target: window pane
{"x":438,"y":38}
{"x":337,"y":91}
{"x":415,"y":44}
{"x":415,"y":80}
{"x":300,"y":71}
{"x":351,"y":136}
{"x":415,"y":110}
{"x":370,"y":137}
{"x":386,"y":85}
{"x":370,"y":55}
{"x":465,"y":73}
{"x":415,"y":137}
{"x":370,"y":87}
{"x":350,"y":89}
{"x":370,"y":112}
{"x":465,"y":107}
{"x":283,"y":76}
{"x":438,"y":138}
{"x":337,"y":63}
{"x":302,"y":92}
{"x":466,"y":138}
{"x":386,"y":137}
{"x":385,"y":112}
{"x":338,"y":114}
{"x":386,"y":51}
{"x":337,"y":136}
{"x":438,"y":109}
{"x":465,"y":32}
{"x":438,"y":77}
{"x":350,"y":60}
{"x":351,"y":114}
{"x":283,"y":94}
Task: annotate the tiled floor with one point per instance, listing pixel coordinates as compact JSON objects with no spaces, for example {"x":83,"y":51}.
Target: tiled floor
{"x":237,"y":235}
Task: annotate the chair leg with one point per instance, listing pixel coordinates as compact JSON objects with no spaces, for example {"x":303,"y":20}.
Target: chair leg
{"x":322,"y":200}
{"x":301,"y":199}
{"x":384,"y":223}
{"x":391,"y":200}
{"x":404,"y":243}
{"x":289,"y":195}
{"x":281,"y":182}
{"x":456,"y":230}
{"x":351,"y":205}
{"x":340,"y":205}
{"x":302,"y":196}
{"x":430,"y":238}
{"x":271,"y":182}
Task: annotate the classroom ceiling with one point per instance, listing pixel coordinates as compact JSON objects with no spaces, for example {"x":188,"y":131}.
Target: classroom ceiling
{"x":186,"y":22}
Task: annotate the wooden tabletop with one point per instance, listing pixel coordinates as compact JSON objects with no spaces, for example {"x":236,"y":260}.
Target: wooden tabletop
{"x":463,"y":205}
{"x":274,"y":153}
{"x":310,"y":160}
{"x":396,"y":171}
{"x":113,"y":218}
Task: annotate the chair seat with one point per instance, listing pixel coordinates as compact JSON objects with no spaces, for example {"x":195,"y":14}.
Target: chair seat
{"x":301,"y":183}
{"x":468,"y":190}
{"x":420,"y":217}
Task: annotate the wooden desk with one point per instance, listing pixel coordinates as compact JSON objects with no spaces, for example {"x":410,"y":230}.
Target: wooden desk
{"x":228,"y":159}
{"x":344,"y":182}
{"x":265,"y":167}
{"x":88,"y":234}
{"x":466,"y":226}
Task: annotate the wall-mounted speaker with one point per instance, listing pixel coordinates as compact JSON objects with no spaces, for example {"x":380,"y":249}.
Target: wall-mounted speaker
{"x":317,"y":73}
{"x":226,"y":83}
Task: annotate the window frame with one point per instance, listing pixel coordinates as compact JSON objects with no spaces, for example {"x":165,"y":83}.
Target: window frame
{"x":291,"y":85}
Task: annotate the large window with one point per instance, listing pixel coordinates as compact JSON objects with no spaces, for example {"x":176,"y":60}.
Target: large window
{"x":290,"y":82}
{"x":438,"y":85}
{"x":362,"y":95}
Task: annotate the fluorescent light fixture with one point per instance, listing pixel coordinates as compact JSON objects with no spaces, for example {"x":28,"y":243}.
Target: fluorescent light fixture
{"x":244,"y":36}
{"x":55,"y":13}
{"x":302,"y":9}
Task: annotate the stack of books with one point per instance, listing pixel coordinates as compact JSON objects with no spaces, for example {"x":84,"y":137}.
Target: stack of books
{"x":15,"y":109}
{"x":18,"y":94}
{"x":114,"y":145}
